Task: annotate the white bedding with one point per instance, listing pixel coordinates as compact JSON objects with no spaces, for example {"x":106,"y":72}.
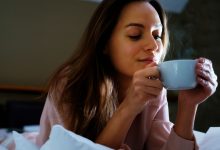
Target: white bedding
{"x":60,"y":139}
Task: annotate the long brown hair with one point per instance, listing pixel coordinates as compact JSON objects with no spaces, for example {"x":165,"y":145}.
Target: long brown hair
{"x":84,"y":89}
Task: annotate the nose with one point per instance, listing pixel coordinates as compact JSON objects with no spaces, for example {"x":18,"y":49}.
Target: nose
{"x":150,"y":44}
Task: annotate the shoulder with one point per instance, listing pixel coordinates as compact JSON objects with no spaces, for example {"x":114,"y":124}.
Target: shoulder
{"x":49,"y":117}
{"x":52,"y":112}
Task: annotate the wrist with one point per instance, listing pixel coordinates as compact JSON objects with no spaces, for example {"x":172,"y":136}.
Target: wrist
{"x":186,"y":107}
{"x":185,"y":119}
{"x":186,"y":102}
{"x":127,"y":112}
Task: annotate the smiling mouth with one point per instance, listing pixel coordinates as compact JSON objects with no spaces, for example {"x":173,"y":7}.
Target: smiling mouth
{"x":147,"y":60}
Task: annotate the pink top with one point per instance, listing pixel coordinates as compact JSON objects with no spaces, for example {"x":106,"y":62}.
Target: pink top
{"x":152,"y":130}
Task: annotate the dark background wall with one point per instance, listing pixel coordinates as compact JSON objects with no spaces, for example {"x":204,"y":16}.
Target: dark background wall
{"x":37,"y":36}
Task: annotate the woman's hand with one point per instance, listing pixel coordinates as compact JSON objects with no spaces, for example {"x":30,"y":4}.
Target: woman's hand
{"x":145,"y":86}
{"x":207,"y":83}
{"x":188,"y":100}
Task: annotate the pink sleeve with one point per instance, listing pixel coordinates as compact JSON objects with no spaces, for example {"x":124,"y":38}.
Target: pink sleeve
{"x":176,"y":142}
{"x":163,"y":137}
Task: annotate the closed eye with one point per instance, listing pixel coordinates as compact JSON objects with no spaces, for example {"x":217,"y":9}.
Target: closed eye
{"x":135,"y":37}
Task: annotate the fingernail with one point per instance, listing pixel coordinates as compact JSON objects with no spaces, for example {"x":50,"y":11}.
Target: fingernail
{"x":203,"y":60}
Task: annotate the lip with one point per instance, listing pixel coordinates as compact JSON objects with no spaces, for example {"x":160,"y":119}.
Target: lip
{"x":148,"y":60}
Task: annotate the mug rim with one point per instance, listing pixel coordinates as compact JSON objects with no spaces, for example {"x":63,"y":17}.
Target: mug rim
{"x":177,"y":60}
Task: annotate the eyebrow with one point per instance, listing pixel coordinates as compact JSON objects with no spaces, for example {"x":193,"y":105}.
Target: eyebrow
{"x":142,"y":26}
{"x":135,"y":24}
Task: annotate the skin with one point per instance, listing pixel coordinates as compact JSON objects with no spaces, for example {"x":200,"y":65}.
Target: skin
{"x":135,"y":49}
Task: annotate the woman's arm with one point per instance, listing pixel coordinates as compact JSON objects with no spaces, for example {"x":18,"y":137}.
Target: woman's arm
{"x":162,"y":135}
{"x":188,"y":100}
{"x":141,"y":90}
{"x":185,"y":118}
{"x":113,"y":135}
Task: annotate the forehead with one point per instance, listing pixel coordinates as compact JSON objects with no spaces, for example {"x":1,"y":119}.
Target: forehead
{"x":141,"y":12}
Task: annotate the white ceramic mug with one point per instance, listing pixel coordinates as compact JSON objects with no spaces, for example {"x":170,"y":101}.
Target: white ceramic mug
{"x":178,"y":74}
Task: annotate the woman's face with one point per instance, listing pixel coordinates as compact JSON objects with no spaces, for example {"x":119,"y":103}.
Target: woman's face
{"x":136,"y":39}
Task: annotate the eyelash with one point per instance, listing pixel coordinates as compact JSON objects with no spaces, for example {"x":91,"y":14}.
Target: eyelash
{"x":137,"y":37}
{"x":157,"y":37}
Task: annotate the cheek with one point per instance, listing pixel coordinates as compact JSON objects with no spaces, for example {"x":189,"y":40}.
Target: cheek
{"x":123,"y":56}
{"x":120,"y":54}
{"x":120,"y":49}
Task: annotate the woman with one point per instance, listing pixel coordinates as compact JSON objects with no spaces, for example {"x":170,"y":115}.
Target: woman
{"x":110,"y":90}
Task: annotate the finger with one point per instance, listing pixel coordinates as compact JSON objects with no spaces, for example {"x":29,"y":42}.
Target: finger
{"x":205,"y":80}
{"x":206,"y":64}
{"x":153,"y":87}
{"x":205,"y":61}
{"x":154,"y":83}
{"x":145,"y":82}
{"x":152,"y":73}
{"x":205,"y":70}
{"x":208,"y":77}
{"x":207,"y":85}
{"x":205,"y":75}
{"x":148,"y":86}
{"x":148,"y":72}
{"x":151,"y":91}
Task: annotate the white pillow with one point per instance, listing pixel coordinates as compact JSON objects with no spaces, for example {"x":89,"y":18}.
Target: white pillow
{"x":60,"y":139}
{"x":2,"y":147}
{"x":21,"y":143}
